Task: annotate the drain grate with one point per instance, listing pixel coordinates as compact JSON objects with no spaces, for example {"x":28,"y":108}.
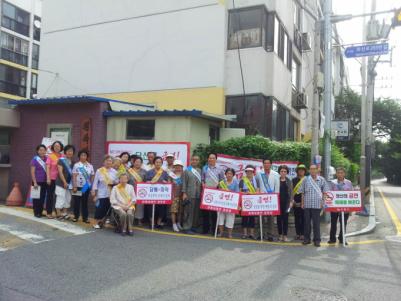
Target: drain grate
{"x":310,"y":294}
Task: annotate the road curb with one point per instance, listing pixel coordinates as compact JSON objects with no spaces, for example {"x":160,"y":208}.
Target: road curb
{"x":372,"y":218}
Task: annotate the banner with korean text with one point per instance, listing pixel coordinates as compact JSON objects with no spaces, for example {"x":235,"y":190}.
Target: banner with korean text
{"x":343,"y":201}
{"x":180,"y":150}
{"x":260,"y":204}
{"x":220,"y":200}
{"x":239,"y":164}
{"x":154,"y":193}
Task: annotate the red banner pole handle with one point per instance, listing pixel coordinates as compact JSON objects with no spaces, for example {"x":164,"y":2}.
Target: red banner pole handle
{"x":153,"y":217}
{"x":343,"y":227}
{"x":217,"y":224}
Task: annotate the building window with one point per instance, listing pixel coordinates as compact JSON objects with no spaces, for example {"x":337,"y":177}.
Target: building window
{"x":15,"y":18}
{"x":60,"y":132}
{"x":36,"y":28}
{"x":253,"y":113}
{"x":276,"y":34}
{"x":5,"y":146}
{"x":295,"y":75}
{"x":12,"y":80}
{"x":35,"y":56}
{"x":140,"y":129}
{"x":214,"y":133}
{"x":246,"y":27}
{"x":14,"y":49}
{"x":289,"y":54}
{"x":34,"y":84}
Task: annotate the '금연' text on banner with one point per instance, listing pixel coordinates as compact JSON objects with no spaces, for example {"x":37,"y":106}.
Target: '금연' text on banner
{"x":153,"y":193}
{"x":260,"y":204}
{"x":220,"y":200}
{"x":343,"y":201}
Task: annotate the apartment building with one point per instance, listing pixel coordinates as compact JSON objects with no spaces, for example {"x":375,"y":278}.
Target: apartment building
{"x":19,"y":48}
{"x":249,"y":58}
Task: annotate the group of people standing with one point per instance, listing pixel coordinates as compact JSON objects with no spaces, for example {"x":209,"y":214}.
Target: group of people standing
{"x":61,"y":179}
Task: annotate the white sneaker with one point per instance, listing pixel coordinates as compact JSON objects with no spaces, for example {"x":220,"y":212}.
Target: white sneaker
{"x":175,"y":228}
{"x":180,"y":227}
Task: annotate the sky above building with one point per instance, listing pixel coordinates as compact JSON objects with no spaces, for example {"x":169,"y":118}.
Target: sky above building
{"x":388,"y":80}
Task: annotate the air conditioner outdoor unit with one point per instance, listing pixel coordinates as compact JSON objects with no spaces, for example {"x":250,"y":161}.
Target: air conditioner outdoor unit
{"x":245,"y":38}
{"x":306,"y":42}
{"x":301,"y":101}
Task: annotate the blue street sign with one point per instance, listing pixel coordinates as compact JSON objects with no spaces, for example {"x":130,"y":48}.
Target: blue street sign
{"x":366,"y":50}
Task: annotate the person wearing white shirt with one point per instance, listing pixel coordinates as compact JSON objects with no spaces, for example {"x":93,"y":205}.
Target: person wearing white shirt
{"x":105,"y":179}
{"x":123,"y":199}
{"x":268,"y":181}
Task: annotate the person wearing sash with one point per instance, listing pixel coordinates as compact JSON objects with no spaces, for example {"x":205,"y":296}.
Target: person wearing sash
{"x":176,"y":206}
{"x":211,"y":177}
{"x":268,"y":182}
{"x":82,"y":179}
{"x":227,"y":219}
{"x":339,"y":184}
{"x":105,"y":179}
{"x":298,"y":211}
{"x":170,"y":163}
{"x":285,"y":202}
{"x":52,"y":174}
{"x":123,"y":199}
{"x":118,"y":166}
{"x":248,"y":185}
{"x":191,"y":188}
{"x":64,"y":182}
{"x":137,"y":174}
{"x":125,"y":160}
{"x":151,"y":158}
{"x":38,"y":176}
{"x":158,"y":175}
{"x":313,"y":188}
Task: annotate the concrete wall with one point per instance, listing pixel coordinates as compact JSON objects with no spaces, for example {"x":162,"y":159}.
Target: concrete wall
{"x":155,"y":45}
{"x":179,"y":129}
{"x":211,"y":100}
{"x":34,"y":122}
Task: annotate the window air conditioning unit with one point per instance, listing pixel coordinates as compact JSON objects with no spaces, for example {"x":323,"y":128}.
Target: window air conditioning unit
{"x":245,"y":38}
{"x":306,"y":42}
{"x":301,"y":101}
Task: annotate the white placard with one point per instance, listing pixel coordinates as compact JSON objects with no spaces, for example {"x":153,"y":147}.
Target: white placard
{"x":220,"y":200}
{"x":154,"y":193}
{"x":35,"y":192}
{"x":260,"y":204}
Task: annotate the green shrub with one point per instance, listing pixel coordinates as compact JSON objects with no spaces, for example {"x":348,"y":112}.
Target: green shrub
{"x":258,"y":147}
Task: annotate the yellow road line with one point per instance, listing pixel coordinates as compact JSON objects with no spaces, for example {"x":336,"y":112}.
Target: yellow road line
{"x":392,"y":213}
{"x":292,"y":244}
{"x":208,"y":237}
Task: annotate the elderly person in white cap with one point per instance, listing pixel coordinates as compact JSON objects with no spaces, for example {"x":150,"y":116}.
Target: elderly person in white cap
{"x":170,"y":163}
{"x":249,"y":185}
{"x":176,"y":206}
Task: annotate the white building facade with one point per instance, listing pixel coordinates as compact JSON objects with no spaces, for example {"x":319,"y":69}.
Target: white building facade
{"x":248,"y":58}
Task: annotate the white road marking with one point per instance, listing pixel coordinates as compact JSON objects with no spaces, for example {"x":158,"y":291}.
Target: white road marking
{"x":49,"y":222}
{"x":31,"y":237}
{"x":2,"y":249}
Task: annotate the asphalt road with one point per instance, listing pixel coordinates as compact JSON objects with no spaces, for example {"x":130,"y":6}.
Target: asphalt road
{"x":104,"y":266}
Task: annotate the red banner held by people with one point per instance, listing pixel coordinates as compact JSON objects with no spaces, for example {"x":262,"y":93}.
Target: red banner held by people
{"x":154,"y":193}
{"x":260,"y":204}
{"x":343,"y":201}
{"x":220,"y":200}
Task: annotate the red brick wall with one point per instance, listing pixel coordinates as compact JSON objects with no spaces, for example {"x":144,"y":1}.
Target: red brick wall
{"x":34,"y":121}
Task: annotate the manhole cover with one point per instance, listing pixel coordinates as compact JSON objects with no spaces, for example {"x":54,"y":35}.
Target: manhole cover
{"x":310,"y":294}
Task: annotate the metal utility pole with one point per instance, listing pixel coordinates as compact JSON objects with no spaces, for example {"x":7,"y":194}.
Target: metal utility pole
{"x":316,"y":93}
{"x":369,"y":104}
{"x":327,"y":86}
{"x":362,"y":180}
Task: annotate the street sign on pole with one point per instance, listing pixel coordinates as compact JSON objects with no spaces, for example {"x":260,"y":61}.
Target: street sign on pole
{"x":340,"y":129}
{"x":366,"y":50}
